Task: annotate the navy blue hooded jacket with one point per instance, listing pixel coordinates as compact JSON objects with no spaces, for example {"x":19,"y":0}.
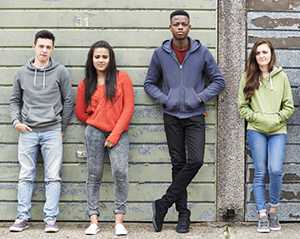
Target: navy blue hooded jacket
{"x":180,"y":88}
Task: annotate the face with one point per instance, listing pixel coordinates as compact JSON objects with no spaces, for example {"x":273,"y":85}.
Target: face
{"x":101,"y":59}
{"x":43,"y":50}
{"x":263,"y":55}
{"x":180,"y":27}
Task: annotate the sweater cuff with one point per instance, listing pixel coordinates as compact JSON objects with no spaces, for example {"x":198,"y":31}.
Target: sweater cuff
{"x":114,"y":139}
{"x":16,"y":121}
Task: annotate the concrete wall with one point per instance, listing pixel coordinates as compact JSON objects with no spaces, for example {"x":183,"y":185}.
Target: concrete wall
{"x":279,"y":22}
{"x":134,"y":28}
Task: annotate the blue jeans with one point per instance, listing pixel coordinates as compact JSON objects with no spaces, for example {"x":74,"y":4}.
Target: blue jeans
{"x":267,"y":152}
{"x":50,"y":144}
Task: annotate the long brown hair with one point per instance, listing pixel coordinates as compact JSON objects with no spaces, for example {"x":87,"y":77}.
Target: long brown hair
{"x":91,"y":73}
{"x":252,"y":69}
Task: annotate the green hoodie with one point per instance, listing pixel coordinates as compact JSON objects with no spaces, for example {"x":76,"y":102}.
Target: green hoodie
{"x":271,"y":105}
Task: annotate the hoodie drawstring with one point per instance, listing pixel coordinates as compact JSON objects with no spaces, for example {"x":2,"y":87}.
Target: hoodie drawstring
{"x":271,"y":82}
{"x":44,"y":78}
{"x":34,"y":79}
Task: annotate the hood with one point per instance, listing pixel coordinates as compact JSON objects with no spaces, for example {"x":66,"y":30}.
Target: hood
{"x":195,"y":44}
{"x":52,"y":65}
{"x":276,"y":70}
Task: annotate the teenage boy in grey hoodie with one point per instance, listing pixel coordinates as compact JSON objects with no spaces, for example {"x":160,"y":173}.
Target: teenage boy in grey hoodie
{"x":41,"y":106}
{"x":175,"y":79}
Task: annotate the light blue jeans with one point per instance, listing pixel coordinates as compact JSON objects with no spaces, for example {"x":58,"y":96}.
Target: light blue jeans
{"x":268,"y":153}
{"x":50,"y":144}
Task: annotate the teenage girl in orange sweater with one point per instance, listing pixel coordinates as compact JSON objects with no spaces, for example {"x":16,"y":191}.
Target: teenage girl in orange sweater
{"x":105,"y":102}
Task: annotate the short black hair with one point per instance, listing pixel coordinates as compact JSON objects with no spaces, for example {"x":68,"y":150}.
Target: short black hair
{"x":179,"y":12}
{"x":45,"y":34}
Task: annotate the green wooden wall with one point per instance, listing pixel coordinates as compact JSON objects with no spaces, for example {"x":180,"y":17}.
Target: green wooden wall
{"x":134,"y":28}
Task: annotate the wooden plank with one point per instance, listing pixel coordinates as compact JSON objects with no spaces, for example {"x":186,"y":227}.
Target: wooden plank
{"x":77,"y":57}
{"x":130,"y":37}
{"x":72,"y":192}
{"x":139,"y":153}
{"x":140,"y":173}
{"x":137,"y":74}
{"x":273,"y":5}
{"x":287,"y":58}
{"x":295,"y":117}
{"x":140,"y":96}
{"x":137,"y":134}
{"x":279,"y":39}
{"x":292,"y":154}
{"x":136,"y":211}
{"x":273,"y":20}
{"x":99,"y":18}
{"x":108,"y":4}
{"x":291,"y":173}
{"x":289,"y":193}
{"x":286,"y":211}
{"x":143,"y":114}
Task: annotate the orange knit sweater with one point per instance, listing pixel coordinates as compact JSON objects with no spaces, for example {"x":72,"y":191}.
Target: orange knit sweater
{"x":109,"y":116}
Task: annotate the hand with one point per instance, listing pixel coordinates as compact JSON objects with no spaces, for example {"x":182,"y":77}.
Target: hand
{"x":20,"y":127}
{"x":108,"y":144}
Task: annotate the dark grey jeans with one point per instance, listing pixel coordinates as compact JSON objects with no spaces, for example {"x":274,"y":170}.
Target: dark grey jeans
{"x":119,"y":166}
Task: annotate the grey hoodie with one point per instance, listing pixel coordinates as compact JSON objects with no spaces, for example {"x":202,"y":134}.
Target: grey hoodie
{"x":42,"y":98}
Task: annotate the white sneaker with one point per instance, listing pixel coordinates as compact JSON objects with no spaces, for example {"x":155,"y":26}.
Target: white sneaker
{"x":120,"y":230}
{"x":93,"y":229}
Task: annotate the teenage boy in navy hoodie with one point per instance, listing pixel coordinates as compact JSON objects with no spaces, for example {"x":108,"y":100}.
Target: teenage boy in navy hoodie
{"x":41,"y":106}
{"x":176,"y":79}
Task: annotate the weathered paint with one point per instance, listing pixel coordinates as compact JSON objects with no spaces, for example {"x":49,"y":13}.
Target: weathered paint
{"x":141,"y":173}
{"x":279,"y":21}
{"x":138,"y":192}
{"x":134,"y":28}
{"x":139,"y":153}
{"x":109,"y":4}
{"x":130,"y":37}
{"x":271,"y":20}
{"x":76,"y":211}
{"x":99,"y":18}
{"x":287,"y":212}
{"x":77,"y":56}
{"x":273,"y":5}
{"x":289,"y":193}
{"x":143,"y":114}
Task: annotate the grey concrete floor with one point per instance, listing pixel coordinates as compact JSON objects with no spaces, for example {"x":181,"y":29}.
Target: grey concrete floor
{"x":145,"y":231}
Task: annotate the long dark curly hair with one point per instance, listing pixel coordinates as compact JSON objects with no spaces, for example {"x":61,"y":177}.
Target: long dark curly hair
{"x":91,"y":73}
{"x":252,"y":69}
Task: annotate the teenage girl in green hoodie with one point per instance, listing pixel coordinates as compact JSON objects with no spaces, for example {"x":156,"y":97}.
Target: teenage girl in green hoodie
{"x":266,"y":103}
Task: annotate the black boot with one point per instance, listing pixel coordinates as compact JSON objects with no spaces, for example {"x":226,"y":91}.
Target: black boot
{"x":159,"y":213}
{"x":183,"y":225}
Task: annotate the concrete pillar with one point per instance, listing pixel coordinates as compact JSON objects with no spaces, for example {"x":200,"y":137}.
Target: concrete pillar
{"x":230,"y":141}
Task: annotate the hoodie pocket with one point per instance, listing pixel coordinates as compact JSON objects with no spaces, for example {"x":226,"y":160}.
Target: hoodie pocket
{"x":41,"y":114}
{"x":172,"y":103}
{"x":267,"y":122}
{"x":192,"y":101}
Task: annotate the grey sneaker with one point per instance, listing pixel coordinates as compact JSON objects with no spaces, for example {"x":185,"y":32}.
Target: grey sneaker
{"x":19,"y":225}
{"x":51,"y":226}
{"x":263,"y":225}
{"x":274,"y":222}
